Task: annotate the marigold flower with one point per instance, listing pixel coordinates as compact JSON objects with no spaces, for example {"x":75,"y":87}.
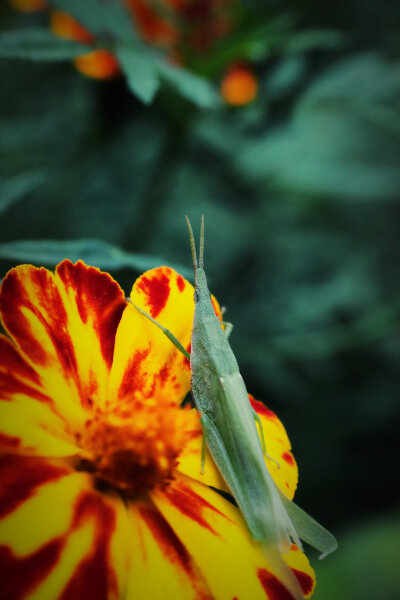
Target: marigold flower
{"x":101,"y":494}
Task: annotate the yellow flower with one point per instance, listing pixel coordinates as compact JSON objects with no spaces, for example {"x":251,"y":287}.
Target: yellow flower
{"x":101,"y":494}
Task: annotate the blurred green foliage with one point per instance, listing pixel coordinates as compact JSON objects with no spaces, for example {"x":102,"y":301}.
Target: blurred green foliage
{"x":300,"y":191}
{"x":366,"y":566}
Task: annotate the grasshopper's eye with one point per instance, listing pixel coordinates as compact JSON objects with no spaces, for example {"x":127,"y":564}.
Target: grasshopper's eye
{"x":196,"y":296}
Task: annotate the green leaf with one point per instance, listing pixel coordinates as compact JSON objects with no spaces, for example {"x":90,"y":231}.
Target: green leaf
{"x":17,"y":187}
{"x":192,"y":87}
{"x":144,"y":68}
{"x":93,"y":252}
{"x":140,"y":71}
{"x":314,"y":39}
{"x":38,"y":44}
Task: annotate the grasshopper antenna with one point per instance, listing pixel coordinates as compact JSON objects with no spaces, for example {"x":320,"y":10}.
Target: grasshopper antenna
{"x":201,"y":249}
{"x":192,"y":247}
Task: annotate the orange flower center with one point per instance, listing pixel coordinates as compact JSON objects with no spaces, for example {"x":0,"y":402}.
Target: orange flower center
{"x":137,"y":450}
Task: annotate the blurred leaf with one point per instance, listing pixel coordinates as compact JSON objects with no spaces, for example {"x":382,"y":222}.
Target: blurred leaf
{"x":144,"y":67}
{"x":114,"y":30}
{"x":140,"y":71}
{"x":376,"y":325}
{"x":341,"y":140}
{"x":313,"y":39}
{"x":192,"y":87}
{"x":368,"y":77}
{"x":365,"y":567}
{"x":288,"y":72}
{"x":107,"y":20}
{"x":93,"y":252}
{"x":17,"y":187}
{"x":38,"y":44}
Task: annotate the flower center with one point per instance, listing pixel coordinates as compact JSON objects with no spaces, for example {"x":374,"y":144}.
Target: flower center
{"x":135,"y":451}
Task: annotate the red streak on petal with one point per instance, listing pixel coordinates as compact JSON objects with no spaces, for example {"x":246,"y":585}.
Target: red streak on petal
{"x":94,"y":576}
{"x":55,"y":320}
{"x":96,"y":295}
{"x":14,"y":372}
{"x":164,"y":373}
{"x":306,"y":581}
{"x":16,"y":375}
{"x":169,"y":542}
{"x":20,"y":575}
{"x":186,"y":362}
{"x":157,"y":291}
{"x":13,"y":296}
{"x":274,"y":589}
{"x":287,"y":457}
{"x":181,"y":283}
{"x":13,"y":361}
{"x":9,"y":440}
{"x":108,"y":327}
{"x":261,"y":409}
{"x":20,"y":476}
{"x":133,"y":379}
{"x":88,"y":391}
{"x":195,"y":433}
{"x":190,"y":504}
{"x":49,"y":311}
{"x":9,"y":386}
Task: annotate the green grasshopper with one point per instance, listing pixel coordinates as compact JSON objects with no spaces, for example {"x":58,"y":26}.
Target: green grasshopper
{"x":229,"y":428}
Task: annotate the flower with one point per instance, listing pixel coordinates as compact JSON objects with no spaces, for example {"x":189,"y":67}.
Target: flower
{"x":181,"y":29}
{"x":176,"y":27}
{"x":101,"y":494}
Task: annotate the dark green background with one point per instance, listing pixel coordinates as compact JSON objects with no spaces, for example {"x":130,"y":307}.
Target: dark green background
{"x":300,"y":192}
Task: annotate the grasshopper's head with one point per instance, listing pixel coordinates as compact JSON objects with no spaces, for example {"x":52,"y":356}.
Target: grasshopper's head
{"x":200,"y":281}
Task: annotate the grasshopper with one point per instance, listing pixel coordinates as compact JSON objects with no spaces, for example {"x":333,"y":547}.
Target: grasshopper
{"x":230,"y":432}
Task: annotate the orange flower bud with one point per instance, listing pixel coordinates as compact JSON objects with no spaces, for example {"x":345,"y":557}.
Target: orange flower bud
{"x":65,"y":26}
{"x":98,"y":64}
{"x":153,"y":27}
{"x":239,"y":85}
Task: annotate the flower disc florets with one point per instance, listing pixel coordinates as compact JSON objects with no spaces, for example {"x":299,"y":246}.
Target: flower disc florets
{"x":135,"y":453}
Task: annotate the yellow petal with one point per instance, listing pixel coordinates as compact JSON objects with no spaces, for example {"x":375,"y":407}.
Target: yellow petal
{"x":300,"y":566}
{"x":146,"y":363}
{"x":28,"y":420}
{"x":59,"y":538}
{"x":160,"y":567}
{"x":64,"y":328}
{"x":211,"y":530}
{"x":189,"y":461}
{"x":28,"y":427}
{"x":278,"y":447}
